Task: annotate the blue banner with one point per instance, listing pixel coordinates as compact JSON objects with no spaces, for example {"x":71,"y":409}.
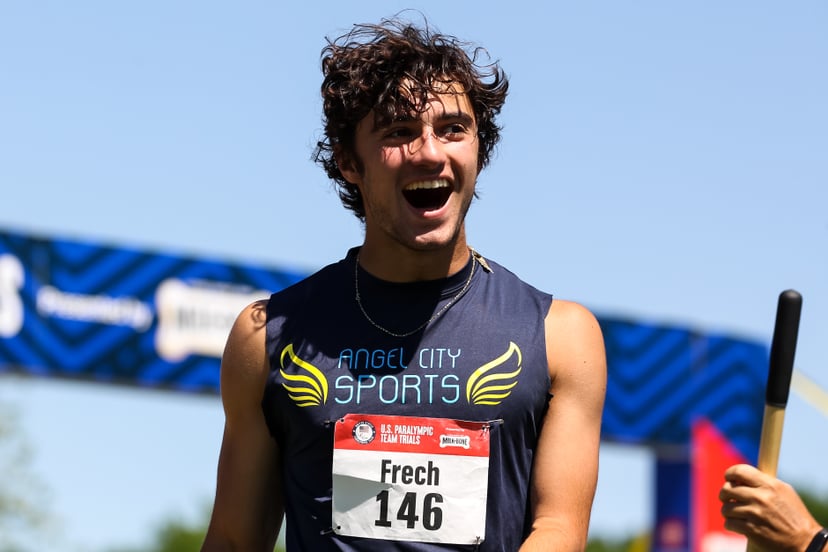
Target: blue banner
{"x":73,"y":309}
{"x":661,"y":379}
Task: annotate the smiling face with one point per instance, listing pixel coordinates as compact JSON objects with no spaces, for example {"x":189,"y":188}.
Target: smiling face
{"x":417,"y":174}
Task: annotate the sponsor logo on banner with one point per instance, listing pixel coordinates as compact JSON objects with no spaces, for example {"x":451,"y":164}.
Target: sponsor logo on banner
{"x":195,"y":318}
{"x":11,"y":304}
{"x":99,"y":309}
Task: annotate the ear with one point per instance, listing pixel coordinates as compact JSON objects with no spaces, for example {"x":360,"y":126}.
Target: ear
{"x":347,"y":166}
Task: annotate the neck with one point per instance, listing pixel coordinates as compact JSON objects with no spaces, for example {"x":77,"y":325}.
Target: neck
{"x":405,"y":264}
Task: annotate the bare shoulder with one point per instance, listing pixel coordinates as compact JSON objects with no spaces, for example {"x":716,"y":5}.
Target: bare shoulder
{"x":570,"y":322}
{"x":244,"y":365}
{"x":570,"y":311}
{"x":574,"y":341}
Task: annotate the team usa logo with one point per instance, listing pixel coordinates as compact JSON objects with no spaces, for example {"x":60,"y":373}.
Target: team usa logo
{"x":488,"y":385}
{"x":364,"y":432}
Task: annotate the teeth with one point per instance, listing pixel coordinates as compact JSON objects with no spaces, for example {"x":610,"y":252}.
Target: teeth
{"x":428,"y":185}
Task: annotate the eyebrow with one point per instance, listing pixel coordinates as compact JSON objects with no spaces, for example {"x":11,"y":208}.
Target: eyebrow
{"x":462,"y":116}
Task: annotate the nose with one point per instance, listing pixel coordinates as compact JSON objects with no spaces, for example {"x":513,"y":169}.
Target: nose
{"x":427,"y":148}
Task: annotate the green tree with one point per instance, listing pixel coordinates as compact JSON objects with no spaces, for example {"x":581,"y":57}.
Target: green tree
{"x":178,"y":535}
{"x":817,"y":505}
{"x":174,"y":537}
{"x":632,"y":544}
{"x":25,"y":522}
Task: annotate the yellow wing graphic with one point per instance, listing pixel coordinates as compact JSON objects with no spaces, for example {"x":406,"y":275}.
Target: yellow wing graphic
{"x":488,"y":388}
{"x":308,"y":390}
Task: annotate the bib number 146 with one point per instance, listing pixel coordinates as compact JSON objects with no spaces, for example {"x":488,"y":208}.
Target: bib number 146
{"x":408,"y":511}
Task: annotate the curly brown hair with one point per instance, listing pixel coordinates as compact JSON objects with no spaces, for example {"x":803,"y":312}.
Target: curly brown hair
{"x":365,"y":69}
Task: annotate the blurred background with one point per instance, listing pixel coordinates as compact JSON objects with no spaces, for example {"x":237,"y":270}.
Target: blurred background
{"x":662,"y":163}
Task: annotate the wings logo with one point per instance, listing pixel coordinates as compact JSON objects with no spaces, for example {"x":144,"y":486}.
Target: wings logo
{"x":309,"y":388}
{"x":489,"y":384}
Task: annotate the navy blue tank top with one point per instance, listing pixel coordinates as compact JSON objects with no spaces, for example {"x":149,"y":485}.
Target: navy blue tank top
{"x":317,"y":330}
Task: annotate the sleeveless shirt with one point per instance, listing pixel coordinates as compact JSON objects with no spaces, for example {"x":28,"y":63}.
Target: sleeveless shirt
{"x":315,"y":329}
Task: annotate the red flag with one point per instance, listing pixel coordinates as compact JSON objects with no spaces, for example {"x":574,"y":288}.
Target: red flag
{"x":711,"y":455}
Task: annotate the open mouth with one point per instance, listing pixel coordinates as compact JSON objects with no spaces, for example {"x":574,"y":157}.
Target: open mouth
{"x":427,"y":194}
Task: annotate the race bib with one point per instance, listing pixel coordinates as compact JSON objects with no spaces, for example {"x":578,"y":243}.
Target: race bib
{"x":405,"y":478}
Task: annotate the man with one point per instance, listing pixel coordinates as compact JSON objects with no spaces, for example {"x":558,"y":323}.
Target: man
{"x":402,"y":398}
{"x":769,"y":512}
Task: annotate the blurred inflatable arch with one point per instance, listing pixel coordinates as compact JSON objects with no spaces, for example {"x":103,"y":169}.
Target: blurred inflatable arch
{"x":85,"y":311}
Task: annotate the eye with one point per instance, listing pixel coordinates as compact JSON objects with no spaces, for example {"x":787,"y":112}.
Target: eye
{"x":455,"y":131}
{"x":398,"y":134}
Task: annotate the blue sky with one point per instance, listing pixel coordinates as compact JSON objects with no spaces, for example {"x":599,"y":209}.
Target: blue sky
{"x":661,"y":161}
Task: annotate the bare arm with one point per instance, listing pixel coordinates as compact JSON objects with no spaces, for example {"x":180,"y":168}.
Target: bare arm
{"x":766,"y":510}
{"x":248,"y":508}
{"x":566,"y":461}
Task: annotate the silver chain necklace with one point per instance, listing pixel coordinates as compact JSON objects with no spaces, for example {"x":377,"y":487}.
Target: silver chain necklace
{"x":435,"y":316}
